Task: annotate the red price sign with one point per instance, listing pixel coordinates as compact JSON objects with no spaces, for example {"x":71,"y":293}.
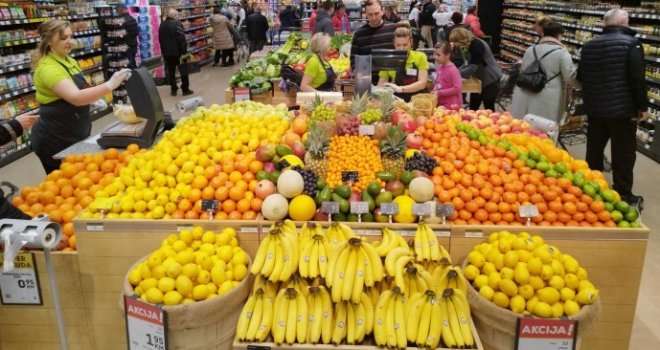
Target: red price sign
{"x":145,"y":325}
{"x":542,"y":334}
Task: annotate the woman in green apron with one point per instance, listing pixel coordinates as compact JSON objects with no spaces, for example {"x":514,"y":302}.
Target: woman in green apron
{"x":63,"y":93}
{"x":319,"y":75}
{"x":411,"y":78}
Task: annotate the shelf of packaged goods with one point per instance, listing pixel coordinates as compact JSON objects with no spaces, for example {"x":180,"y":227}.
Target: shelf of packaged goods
{"x":194,"y":7}
{"x":199,"y":49}
{"x":15,"y":68}
{"x":520,"y":18}
{"x":86,"y":32}
{"x":573,"y":41}
{"x":515,"y":39}
{"x":653,"y":101}
{"x":44,"y":19}
{"x":18,"y":42}
{"x":93,"y":69}
{"x":85,"y":52}
{"x":653,"y":80}
{"x":14,"y":154}
{"x":649,"y":37}
{"x":654,"y":59}
{"x":11,"y":94}
{"x":518,"y":29}
{"x":508,"y":59}
{"x":579,"y":11}
{"x":193,"y":16}
{"x":204,"y":62}
{"x":204,"y":36}
{"x":197,"y":27}
{"x":645,"y":149}
{"x":511,"y":53}
{"x":512,"y":49}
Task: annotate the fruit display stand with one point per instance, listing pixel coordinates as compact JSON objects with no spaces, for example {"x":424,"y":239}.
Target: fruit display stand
{"x":614,"y":259}
{"x":265,"y":98}
{"x":19,"y":322}
{"x":107,"y":250}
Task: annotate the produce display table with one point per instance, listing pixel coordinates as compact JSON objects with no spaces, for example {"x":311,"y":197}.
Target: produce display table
{"x":263,"y":52}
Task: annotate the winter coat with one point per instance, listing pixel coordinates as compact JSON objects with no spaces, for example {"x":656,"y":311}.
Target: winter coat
{"x":473,"y":22}
{"x":481,"y":64}
{"x":172,"y":38}
{"x":426,"y":15}
{"x":257,"y":26}
{"x":550,"y":102}
{"x":222,"y":39}
{"x":130,"y":24}
{"x":336,"y":22}
{"x":324,"y":24}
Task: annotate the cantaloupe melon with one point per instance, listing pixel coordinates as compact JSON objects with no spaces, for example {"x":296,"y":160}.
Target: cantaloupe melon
{"x":290,"y":184}
{"x":421,"y":189}
{"x":275,"y":207}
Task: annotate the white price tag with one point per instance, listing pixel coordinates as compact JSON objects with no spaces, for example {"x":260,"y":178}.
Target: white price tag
{"x":359,"y":208}
{"x":145,"y":324}
{"x":95,"y":227}
{"x":528,"y":211}
{"x":20,"y":286}
{"x":366,"y":130}
{"x":249,"y":229}
{"x":474,"y":234}
{"x":180,"y":228}
{"x":443,"y":233}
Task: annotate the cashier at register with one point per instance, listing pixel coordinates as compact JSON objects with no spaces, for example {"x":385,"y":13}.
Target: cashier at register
{"x":412,"y":76}
{"x":319,"y":75}
{"x":63,"y":92}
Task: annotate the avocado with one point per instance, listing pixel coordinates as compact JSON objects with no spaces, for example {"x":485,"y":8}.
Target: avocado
{"x":324,"y":195}
{"x":367,"y":198}
{"x":374,"y":189}
{"x":406,"y":177}
{"x":283,"y":150}
{"x":386,"y":176}
{"x":384,"y":197}
{"x":320,"y":183}
{"x":274,"y":176}
{"x":339,"y":217}
{"x":368,"y":217}
{"x":344,"y":191}
{"x":352,"y":218}
{"x":344,"y":206}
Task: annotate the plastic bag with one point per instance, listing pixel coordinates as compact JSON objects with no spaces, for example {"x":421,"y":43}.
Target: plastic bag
{"x":125,"y":113}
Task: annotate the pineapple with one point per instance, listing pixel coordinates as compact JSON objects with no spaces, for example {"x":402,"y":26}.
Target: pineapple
{"x":359,"y":104}
{"x":386,"y":106}
{"x":321,"y":110}
{"x":315,"y":158}
{"x":393,"y":150}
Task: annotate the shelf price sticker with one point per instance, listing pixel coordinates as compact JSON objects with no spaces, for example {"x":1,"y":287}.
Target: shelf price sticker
{"x":546,"y":334}
{"x":20,"y":286}
{"x":330,"y":208}
{"x":359,"y":208}
{"x":389,"y":208}
{"x":421,"y":209}
{"x":146,"y":325}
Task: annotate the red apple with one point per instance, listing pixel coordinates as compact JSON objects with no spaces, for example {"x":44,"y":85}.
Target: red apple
{"x":408,"y":124}
{"x":397,"y":115}
{"x":414,"y":140}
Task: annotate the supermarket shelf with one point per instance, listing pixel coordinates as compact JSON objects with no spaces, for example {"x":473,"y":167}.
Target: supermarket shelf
{"x":654,"y":102}
{"x":205,"y":62}
{"x":652,"y":80}
{"x":512,"y":49}
{"x":15,"y":68}
{"x":205,"y":36}
{"x":649,"y":37}
{"x":10,"y":43}
{"x":579,"y":11}
{"x":654,"y":59}
{"x":85,"y":52}
{"x":642,"y":147}
{"x":573,"y":41}
{"x":193,"y":7}
{"x":199,"y":49}
{"x":522,"y":30}
{"x":86,"y":32}
{"x":14,"y":154}
{"x":512,"y":53}
{"x":10,"y":95}
{"x":518,"y":40}
{"x":93,"y":69}
{"x":193,"y":16}
{"x":198,"y":27}
{"x":44,"y":19}
{"x":508,"y":59}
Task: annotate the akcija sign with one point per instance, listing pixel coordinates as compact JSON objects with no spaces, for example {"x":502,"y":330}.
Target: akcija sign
{"x":542,"y":334}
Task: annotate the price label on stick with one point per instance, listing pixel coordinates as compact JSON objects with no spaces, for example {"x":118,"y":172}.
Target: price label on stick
{"x":20,"y":286}
{"x":359,"y":208}
{"x":146,"y":325}
{"x":421,"y":209}
{"x":528,"y":211}
{"x":209,"y":205}
{"x":389,"y":208}
{"x":546,"y":334}
{"x":366,"y":130}
{"x":350,"y":176}
{"x":444,"y":210}
{"x":330,"y":208}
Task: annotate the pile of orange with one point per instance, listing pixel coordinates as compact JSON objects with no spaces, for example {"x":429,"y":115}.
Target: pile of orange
{"x":67,"y":191}
{"x":353,"y":153}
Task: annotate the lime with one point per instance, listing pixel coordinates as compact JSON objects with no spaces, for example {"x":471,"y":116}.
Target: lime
{"x":552,"y":173}
{"x":609,"y":206}
{"x":406,"y":177}
{"x":608,"y":195}
{"x":589,"y":190}
{"x":542,"y":166}
{"x":561,"y":167}
{"x":530,"y":163}
{"x":622,"y":206}
{"x":623,"y":224}
{"x":617,"y":216}
{"x":535,"y":154}
{"x":262,"y":175}
{"x":635,"y":224}
{"x":523,"y":156}
{"x":631,"y":215}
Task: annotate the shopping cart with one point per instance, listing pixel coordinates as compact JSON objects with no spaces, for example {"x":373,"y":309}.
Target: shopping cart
{"x":573,"y":129}
{"x":242,"y":51}
{"x":507,"y":84}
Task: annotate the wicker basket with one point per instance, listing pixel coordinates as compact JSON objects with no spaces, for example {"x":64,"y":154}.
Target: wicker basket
{"x":203,"y":325}
{"x":471,"y":85}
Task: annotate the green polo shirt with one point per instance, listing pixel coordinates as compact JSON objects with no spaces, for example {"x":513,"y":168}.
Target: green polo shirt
{"x":49,"y":72}
{"x":315,"y":69}
{"x":416,"y":58}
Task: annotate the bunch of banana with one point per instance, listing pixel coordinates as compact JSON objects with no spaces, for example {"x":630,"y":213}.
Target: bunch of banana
{"x":374,"y":292}
{"x":352,"y":321}
{"x":339,"y":232}
{"x":390,"y":241}
{"x":455,"y":311}
{"x":313,"y":260}
{"x":320,"y":318}
{"x":277,"y":256}
{"x":290,"y":320}
{"x":308,"y":230}
{"x":423,"y":319}
{"x":426,"y":244}
{"x":353,"y":265}
{"x":396,"y":262}
{"x":450,"y":277}
{"x":255,"y":319}
{"x":298,"y":283}
{"x":416,"y":280}
{"x":390,"y":321}
{"x":269,"y":288}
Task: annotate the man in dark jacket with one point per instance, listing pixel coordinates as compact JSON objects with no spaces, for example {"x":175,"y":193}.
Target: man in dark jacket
{"x":9,"y":131}
{"x":131,"y":27}
{"x":324,"y":19}
{"x":376,"y":34}
{"x":257,"y":29}
{"x":174,"y":47}
{"x":427,"y":22}
{"x":612,"y":74}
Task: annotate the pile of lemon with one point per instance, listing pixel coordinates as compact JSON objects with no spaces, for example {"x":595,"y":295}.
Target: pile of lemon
{"x":193,"y":265}
{"x":528,"y":276}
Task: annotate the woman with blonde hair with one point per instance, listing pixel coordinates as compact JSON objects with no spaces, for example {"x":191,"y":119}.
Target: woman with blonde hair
{"x":481,"y":64}
{"x":412,"y":76}
{"x":319,"y":75}
{"x":63,"y":93}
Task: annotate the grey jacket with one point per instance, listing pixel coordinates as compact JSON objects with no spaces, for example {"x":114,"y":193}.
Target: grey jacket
{"x":481,"y":63}
{"x":324,"y":24}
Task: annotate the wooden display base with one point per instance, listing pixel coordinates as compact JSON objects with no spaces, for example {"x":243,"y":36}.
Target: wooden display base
{"x":35,"y":327}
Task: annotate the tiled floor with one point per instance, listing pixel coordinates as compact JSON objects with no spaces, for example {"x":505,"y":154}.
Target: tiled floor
{"x":211,"y":83}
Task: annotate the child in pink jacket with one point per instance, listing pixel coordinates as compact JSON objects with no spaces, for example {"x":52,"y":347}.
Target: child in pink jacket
{"x":448,"y":83}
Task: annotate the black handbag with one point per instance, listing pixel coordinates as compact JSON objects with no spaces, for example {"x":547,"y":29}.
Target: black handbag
{"x":533,"y":78}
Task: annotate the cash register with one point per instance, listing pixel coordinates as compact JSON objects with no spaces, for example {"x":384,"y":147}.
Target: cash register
{"x":368,"y":66}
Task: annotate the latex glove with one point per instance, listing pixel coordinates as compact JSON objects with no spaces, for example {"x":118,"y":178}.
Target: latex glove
{"x":394,"y":87}
{"x":100,"y":104}
{"x":27,"y":120}
{"x":117,"y":78}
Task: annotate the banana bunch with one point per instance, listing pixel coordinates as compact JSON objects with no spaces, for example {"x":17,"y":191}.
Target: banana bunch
{"x":416,"y":280}
{"x":455,"y":311}
{"x":308,"y":230}
{"x":423,"y":317}
{"x":353,"y":321}
{"x":426,"y":244}
{"x":298,"y":283}
{"x":353,"y":265}
{"x":255,"y":319}
{"x":451,"y":277}
{"x":320,"y":318}
{"x":268,"y":287}
{"x":396,"y":263}
{"x":390,"y":321}
{"x":339,"y":232}
{"x":313,"y":260}
{"x":390,"y":241}
{"x":277,"y":256}
{"x":290,"y":320}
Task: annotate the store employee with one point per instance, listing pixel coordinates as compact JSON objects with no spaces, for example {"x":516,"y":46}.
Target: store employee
{"x":63,"y":93}
{"x":319,"y":75}
{"x":412,"y":76}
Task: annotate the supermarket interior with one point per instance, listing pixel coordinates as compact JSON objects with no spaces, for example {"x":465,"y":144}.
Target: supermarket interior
{"x":295,"y":174}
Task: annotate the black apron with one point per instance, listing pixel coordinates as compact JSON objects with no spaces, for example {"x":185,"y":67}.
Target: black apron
{"x":60,"y":125}
{"x":401,"y":78}
{"x":330,"y":77}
